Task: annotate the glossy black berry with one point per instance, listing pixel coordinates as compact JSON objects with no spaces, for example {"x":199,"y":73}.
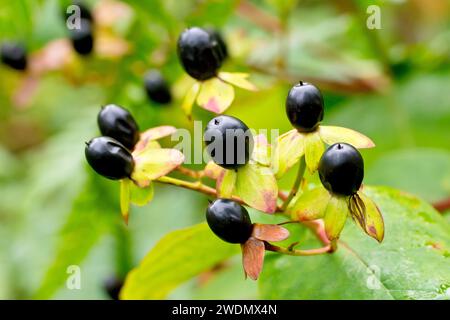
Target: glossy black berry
{"x":156,"y":87}
{"x":304,"y":106}
{"x":112,"y":287}
{"x":229,"y":141}
{"x":222,"y":46}
{"x":82,"y":38}
{"x":116,"y":122}
{"x":341,"y":169}
{"x":109,"y":158}
{"x":85,"y":12}
{"x":199,"y":53}
{"x":14,"y":55}
{"x":229,"y":221}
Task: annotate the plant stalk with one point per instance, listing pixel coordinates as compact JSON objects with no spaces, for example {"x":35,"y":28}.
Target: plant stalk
{"x":298,"y":181}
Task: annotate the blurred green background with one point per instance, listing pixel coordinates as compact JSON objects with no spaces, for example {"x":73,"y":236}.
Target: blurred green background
{"x":391,"y":84}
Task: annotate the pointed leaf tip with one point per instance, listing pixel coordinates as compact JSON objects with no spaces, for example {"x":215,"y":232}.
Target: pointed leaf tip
{"x":335,"y":216}
{"x":238,"y":79}
{"x":374,"y":223}
{"x":331,"y":135}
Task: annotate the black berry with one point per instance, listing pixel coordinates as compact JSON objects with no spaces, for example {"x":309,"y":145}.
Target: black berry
{"x":82,"y":38}
{"x":14,"y":55}
{"x":222,"y":46}
{"x":341,"y":169}
{"x":199,"y":53}
{"x":304,"y":106}
{"x":116,"y":122}
{"x":229,"y":141}
{"x":85,"y":12}
{"x":157,"y":88}
{"x":109,"y":158}
{"x":229,"y":221}
{"x":112,"y":286}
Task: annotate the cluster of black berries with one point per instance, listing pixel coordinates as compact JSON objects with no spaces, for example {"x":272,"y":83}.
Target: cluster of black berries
{"x":110,"y":155}
{"x":201,"y":52}
{"x":82,"y":38}
{"x":341,"y":168}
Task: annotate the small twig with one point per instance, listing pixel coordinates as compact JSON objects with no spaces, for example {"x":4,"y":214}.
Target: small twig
{"x":296,"y":252}
{"x":442,"y":206}
{"x":298,"y":181}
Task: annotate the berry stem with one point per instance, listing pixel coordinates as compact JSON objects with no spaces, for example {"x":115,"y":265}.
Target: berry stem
{"x":296,"y":186}
{"x":295,"y":252}
{"x":195,"y":186}
{"x":191,"y":173}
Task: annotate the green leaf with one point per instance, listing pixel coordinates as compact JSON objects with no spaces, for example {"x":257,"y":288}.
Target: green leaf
{"x":177,"y":257}
{"x":141,"y":196}
{"x":190,"y":97}
{"x":225,"y":183}
{"x":374,"y":224}
{"x":215,"y":95}
{"x":309,"y":205}
{"x":288,"y":150}
{"x":314,"y":149}
{"x":151,"y":164}
{"x":411,"y":262}
{"x":238,"y":79}
{"x":89,"y":219}
{"x":257,"y":186}
{"x":125,"y":185}
{"x":335,"y":216}
{"x":331,"y":135}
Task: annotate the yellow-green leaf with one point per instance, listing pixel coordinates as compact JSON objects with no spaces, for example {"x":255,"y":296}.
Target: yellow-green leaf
{"x":176,"y":258}
{"x":212,"y":170}
{"x":189,"y":99}
{"x":288,"y":151}
{"x":309,"y":205}
{"x":335,"y":216}
{"x":151,"y":164}
{"x":141,"y":196}
{"x":314,"y":149}
{"x":215,"y":95}
{"x":374,"y":220}
{"x":225,"y":183}
{"x":125,"y":198}
{"x":261,"y":150}
{"x":146,"y":140}
{"x":331,"y":135}
{"x":257,"y":186}
{"x":238,"y":79}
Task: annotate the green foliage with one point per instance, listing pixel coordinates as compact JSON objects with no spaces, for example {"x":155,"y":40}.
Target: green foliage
{"x":177,"y":257}
{"x":89,"y":219}
{"x":411,"y":263}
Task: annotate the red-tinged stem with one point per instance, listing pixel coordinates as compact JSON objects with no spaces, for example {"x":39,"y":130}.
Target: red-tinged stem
{"x":295,"y":252}
{"x":318,"y":227}
{"x":443,"y":205}
{"x":191,"y":173}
